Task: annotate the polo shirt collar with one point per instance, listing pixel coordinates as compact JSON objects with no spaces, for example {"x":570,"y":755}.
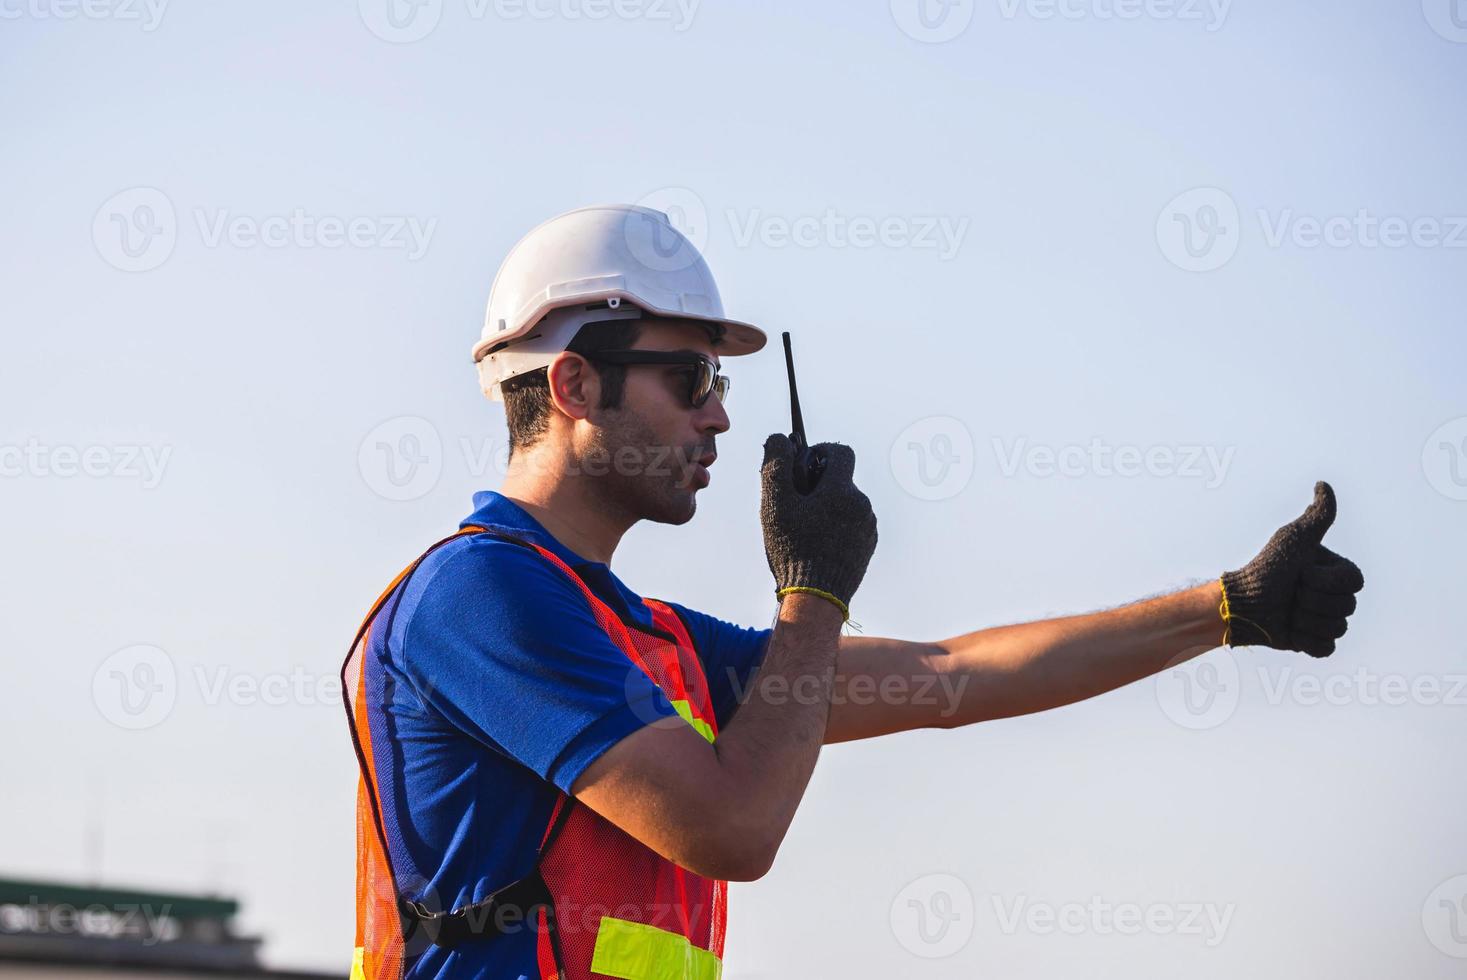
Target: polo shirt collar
{"x":494,"y":509}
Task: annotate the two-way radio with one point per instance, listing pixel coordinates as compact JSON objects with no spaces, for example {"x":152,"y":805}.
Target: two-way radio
{"x":809,"y":463}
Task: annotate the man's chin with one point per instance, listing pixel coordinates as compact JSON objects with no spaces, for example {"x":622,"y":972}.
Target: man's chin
{"x":677,"y":508}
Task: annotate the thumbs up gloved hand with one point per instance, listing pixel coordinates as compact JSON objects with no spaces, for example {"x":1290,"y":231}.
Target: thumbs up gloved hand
{"x":1297,"y":594}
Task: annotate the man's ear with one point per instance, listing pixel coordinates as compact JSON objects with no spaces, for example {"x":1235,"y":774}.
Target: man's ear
{"x":575,"y":387}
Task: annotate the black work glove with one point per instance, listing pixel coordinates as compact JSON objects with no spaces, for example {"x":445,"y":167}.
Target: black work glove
{"x":819,"y":541}
{"x":1297,"y":594}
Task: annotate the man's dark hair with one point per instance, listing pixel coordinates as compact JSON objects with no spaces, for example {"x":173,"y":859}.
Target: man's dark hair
{"x":527,"y":396}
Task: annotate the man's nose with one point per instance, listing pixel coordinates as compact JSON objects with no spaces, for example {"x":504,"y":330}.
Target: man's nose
{"x":712,"y":417}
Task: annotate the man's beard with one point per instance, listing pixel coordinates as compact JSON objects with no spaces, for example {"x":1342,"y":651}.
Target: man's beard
{"x":643,"y":477}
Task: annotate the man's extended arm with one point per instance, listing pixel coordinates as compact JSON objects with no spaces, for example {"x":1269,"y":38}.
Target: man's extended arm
{"x":1296,"y":595}
{"x":885,"y":686}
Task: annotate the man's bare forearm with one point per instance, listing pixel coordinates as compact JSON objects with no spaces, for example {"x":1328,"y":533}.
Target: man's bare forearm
{"x":770,"y":747}
{"x":886,"y":686}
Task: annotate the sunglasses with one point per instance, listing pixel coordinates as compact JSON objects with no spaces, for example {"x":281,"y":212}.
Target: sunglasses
{"x":703,"y":376}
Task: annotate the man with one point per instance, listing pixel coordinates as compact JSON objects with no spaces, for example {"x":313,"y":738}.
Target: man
{"x":559,"y":775}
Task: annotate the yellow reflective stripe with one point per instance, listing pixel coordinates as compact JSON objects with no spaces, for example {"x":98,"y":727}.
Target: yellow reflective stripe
{"x":358,"y":964}
{"x":634,"y":951}
{"x":685,"y":710}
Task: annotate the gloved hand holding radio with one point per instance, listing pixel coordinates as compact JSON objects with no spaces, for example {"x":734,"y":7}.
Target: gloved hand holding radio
{"x":1297,"y":594}
{"x":820,"y":542}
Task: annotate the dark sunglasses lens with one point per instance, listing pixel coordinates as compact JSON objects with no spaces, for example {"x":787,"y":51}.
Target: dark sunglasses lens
{"x":702,"y":381}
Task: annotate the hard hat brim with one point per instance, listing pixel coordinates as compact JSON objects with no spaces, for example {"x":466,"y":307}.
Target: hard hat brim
{"x":738,"y":337}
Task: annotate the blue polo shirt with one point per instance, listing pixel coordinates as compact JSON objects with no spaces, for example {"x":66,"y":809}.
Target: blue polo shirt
{"x":499,"y":689}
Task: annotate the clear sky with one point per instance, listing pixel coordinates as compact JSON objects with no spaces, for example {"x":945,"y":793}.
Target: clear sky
{"x":1097,"y":289}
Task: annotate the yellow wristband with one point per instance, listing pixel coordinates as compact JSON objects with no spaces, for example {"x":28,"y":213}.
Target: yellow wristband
{"x":845,"y":610}
{"x":1225,"y":612}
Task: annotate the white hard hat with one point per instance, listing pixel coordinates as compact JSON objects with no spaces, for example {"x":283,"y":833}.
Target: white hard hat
{"x":606,"y":262}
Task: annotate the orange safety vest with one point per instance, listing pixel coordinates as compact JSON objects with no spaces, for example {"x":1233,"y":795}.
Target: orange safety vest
{"x":602,"y":903}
